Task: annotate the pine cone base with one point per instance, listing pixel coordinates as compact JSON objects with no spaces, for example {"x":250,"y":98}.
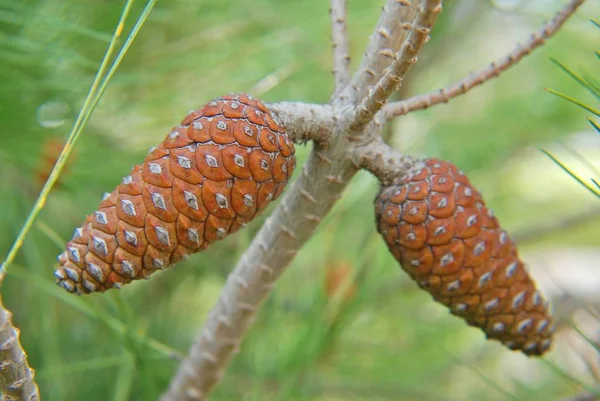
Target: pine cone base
{"x":438,"y":228}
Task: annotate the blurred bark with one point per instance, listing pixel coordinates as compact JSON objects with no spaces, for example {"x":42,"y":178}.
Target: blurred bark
{"x":16,"y":377}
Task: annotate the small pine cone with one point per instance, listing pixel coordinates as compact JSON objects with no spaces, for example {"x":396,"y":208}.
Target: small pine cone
{"x":210,"y":176}
{"x":437,"y":226}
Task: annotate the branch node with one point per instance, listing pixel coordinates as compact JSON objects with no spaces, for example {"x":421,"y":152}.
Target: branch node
{"x":308,"y":196}
{"x":289,"y":233}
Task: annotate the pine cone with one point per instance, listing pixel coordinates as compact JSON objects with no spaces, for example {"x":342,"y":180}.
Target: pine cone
{"x":210,"y":176}
{"x":437,"y":226}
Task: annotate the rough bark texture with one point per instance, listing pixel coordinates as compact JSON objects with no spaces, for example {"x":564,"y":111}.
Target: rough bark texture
{"x":339,"y":42}
{"x":418,"y":34}
{"x":16,"y":377}
{"x":387,"y":38}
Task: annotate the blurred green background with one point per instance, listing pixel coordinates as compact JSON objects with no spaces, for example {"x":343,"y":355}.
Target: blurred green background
{"x":344,"y":322}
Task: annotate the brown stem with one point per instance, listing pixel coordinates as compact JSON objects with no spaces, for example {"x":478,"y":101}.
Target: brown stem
{"x":389,"y":34}
{"x":395,"y":73}
{"x":384,"y":162}
{"x":496,"y":68}
{"x":305,"y":122}
{"x":340,"y":44}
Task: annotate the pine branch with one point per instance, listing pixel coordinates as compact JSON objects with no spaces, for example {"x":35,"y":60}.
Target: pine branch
{"x":496,"y":68}
{"x":304,"y":121}
{"x":389,"y":34}
{"x":293,"y":222}
{"x":340,"y":44}
{"x":333,"y":161}
{"x":16,"y":377}
{"x":403,"y":61}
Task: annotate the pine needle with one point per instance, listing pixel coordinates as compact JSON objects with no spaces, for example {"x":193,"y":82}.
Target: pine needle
{"x":575,"y":101}
{"x":94,"y":95}
{"x":591,"y":188}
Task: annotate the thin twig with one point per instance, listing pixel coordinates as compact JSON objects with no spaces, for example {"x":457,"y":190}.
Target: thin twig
{"x":389,"y":34}
{"x":16,"y":377}
{"x":340,"y":44}
{"x":461,"y":87}
{"x":403,"y":61}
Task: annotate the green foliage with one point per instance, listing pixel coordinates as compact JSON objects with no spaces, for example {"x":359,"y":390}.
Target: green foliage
{"x":592,"y":84}
{"x":390,"y":341}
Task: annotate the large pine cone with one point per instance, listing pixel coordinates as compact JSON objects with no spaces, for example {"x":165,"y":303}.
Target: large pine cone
{"x":210,"y":176}
{"x":439,"y":229}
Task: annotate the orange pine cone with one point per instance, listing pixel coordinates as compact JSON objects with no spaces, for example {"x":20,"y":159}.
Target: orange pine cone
{"x":210,"y":176}
{"x":437,"y":226}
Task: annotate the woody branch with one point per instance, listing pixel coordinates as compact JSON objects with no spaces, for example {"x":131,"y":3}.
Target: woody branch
{"x":333,"y":161}
{"x":495,"y":69}
{"x":16,"y":377}
{"x":340,"y":45}
{"x":401,"y":64}
{"x":390,"y":32}
{"x":320,"y":184}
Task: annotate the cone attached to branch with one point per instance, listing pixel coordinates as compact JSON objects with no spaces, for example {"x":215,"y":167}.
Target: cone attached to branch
{"x":210,"y":176}
{"x":437,"y":226}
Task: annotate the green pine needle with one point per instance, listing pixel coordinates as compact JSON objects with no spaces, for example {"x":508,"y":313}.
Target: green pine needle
{"x":575,"y":101}
{"x":94,"y":95}
{"x":590,"y":187}
{"x":584,"y":82}
{"x":594,"y":124}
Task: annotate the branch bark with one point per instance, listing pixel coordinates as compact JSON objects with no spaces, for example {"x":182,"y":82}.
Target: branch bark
{"x":340,"y":45}
{"x":496,"y":68}
{"x":389,"y":34}
{"x":293,"y":222}
{"x":305,"y":122}
{"x":395,"y":73}
{"x":16,"y":377}
{"x":384,"y":162}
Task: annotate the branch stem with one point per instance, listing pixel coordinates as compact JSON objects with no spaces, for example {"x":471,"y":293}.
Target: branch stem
{"x":320,"y":184}
{"x":496,"y":68}
{"x":403,"y":61}
{"x":340,"y":45}
{"x":387,"y":38}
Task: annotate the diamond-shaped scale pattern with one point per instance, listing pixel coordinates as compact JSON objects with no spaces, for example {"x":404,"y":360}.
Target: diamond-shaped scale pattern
{"x":437,"y":226}
{"x":210,"y":176}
